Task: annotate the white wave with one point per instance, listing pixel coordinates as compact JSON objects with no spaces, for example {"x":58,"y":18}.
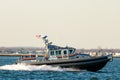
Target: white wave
{"x":23,"y":67}
{"x":71,"y":69}
{"x":29,"y":67}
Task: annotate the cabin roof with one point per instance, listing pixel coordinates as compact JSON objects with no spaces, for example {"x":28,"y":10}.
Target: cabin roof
{"x":54,"y":47}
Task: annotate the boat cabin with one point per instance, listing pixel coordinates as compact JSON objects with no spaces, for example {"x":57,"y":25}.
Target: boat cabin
{"x":61,"y":53}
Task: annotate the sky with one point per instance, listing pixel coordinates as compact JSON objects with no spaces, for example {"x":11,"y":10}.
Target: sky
{"x":75,"y":23}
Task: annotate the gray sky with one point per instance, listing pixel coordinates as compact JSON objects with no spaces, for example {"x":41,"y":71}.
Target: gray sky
{"x":76,"y":23}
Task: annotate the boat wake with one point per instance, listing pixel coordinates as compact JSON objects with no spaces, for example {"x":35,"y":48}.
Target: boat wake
{"x":23,"y":67}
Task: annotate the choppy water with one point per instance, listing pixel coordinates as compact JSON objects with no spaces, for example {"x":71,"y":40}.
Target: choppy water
{"x":10,"y":71}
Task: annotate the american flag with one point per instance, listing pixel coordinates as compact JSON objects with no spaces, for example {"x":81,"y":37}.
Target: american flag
{"x":38,"y":36}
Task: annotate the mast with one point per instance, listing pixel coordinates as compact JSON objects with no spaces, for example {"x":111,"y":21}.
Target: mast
{"x":46,"y":43}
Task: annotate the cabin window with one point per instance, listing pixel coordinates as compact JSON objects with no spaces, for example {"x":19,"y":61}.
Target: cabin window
{"x":65,"y":52}
{"x":57,"y":52}
{"x":33,"y":56}
{"x":52,"y":53}
{"x":70,"y":51}
{"x":27,"y":56}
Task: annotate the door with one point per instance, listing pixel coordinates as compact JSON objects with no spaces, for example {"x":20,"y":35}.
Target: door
{"x":65,"y":54}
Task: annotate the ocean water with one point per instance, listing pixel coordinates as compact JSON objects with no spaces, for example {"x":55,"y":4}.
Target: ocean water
{"x":11,"y":71}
